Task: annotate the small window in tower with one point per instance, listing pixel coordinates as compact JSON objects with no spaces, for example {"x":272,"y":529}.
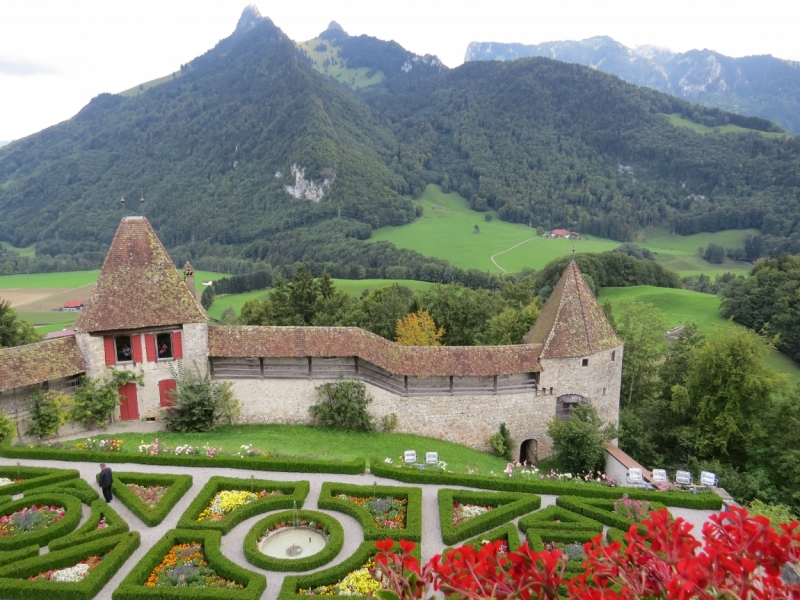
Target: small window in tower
{"x":164,"y":346}
{"x":585,"y":362}
{"x":604,"y":391}
{"x":613,"y":355}
{"x":122,"y":344}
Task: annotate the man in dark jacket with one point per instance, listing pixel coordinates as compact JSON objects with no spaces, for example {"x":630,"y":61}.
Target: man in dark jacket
{"x":105,"y":480}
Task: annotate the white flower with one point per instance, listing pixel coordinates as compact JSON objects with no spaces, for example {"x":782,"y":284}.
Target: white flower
{"x":71,"y":574}
{"x":387,"y":460}
{"x":5,"y":481}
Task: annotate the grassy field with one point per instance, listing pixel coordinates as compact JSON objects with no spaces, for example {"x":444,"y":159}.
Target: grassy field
{"x":448,"y":233}
{"x":336,"y":67}
{"x":682,"y":306}
{"x":325,"y":443}
{"x":135,"y":91}
{"x":29,"y":251}
{"x":680,"y":121}
{"x":354,"y":287}
{"x":74,"y":279}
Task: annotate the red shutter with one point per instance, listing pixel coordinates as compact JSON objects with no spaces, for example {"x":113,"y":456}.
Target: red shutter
{"x":129,"y":402}
{"x":177,"y":345}
{"x":150,"y":345}
{"x":164,"y":388}
{"x":111,"y":354}
{"x":136,"y":340}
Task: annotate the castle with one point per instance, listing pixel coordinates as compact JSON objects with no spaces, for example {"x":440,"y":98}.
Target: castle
{"x":143,"y":316}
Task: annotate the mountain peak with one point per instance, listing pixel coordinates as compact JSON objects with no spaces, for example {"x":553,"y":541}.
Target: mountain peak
{"x":249,"y":19}
{"x":334,"y":26}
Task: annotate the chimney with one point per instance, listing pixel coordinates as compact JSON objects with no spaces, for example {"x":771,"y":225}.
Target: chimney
{"x":188,"y":277}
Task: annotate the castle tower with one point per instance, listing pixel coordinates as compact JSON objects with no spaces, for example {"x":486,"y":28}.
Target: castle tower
{"x":188,"y":278}
{"x":581,"y":355}
{"x":141,"y":317}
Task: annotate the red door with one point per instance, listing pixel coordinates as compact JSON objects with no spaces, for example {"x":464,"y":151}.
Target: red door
{"x":165,"y":386}
{"x":129,"y":403}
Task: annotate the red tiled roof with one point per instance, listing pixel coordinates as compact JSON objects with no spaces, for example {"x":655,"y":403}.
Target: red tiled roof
{"x":417,"y":361}
{"x":74,"y":303}
{"x":138,"y":285}
{"x":35,"y":363}
{"x":572,"y":322}
{"x":560,"y":232}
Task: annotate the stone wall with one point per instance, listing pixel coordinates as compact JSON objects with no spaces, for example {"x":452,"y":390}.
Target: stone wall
{"x":468,"y":420}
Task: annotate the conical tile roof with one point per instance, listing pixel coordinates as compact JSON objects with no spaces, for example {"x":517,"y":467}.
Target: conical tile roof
{"x":139,"y":285}
{"x":572,"y":322}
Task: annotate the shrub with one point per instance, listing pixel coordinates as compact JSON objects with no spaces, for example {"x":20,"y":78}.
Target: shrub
{"x":507,"y":533}
{"x":579,"y":441}
{"x":88,"y":532}
{"x":506,"y":507}
{"x":343,"y":404}
{"x":199,"y":401}
{"x":501,"y":443}
{"x":8,"y":429}
{"x":389,"y":423}
{"x":95,"y":399}
{"x":48,"y":413}
{"x":33,"y":477}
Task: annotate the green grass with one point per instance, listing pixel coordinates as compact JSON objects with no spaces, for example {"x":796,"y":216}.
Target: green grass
{"x":29,"y":251}
{"x":74,"y":279}
{"x":682,"y":306}
{"x":679,"y":252}
{"x":49,"y":318}
{"x":354,"y":78}
{"x":679,"y":121}
{"x":354,"y":287}
{"x":135,"y":90}
{"x":324,"y":443}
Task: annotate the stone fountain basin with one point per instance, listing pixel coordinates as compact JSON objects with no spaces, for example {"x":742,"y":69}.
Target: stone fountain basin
{"x":279,"y":543}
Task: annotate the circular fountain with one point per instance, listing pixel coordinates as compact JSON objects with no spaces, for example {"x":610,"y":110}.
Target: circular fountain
{"x":294,"y":540}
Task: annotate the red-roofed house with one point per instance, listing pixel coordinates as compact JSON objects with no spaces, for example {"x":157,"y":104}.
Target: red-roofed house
{"x":563,"y":233}
{"x":73,"y":305}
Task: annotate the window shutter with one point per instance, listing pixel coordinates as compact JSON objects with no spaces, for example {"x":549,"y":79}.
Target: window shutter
{"x":111,"y":354}
{"x":164,"y":388}
{"x":177,"y":345}
{"x":136,"y":341}
{"x":150,"y":346}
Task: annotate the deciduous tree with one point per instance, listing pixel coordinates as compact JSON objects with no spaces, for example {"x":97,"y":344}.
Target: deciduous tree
{"x":418,"y":329}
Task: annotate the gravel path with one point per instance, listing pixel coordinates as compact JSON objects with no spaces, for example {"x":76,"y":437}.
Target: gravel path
{"x":232,"y":542}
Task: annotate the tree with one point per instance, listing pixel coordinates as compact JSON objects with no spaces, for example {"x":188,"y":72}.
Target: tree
{"x":642,"y":327}
{"x":13,"y":330}
{"x":384,"y":307}
{"x":7,"y":429}
{"x":199,"y":402}
{"x":343,"y":404}
{"x":727,"y":390}
{"x":512,"y":324}
{"x":578,"y":442}
{"x":461,"y":311}
{"x":303,"y":294}
{"x":476,"y":230}
{"x":228,"y":316}
{"x":50,"y":411}
{"x":94,"y":400}
{"x":418,"y":329}
{"x":255,"y":312}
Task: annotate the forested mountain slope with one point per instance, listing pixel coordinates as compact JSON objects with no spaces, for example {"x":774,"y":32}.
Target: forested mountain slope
{"x":252,"y":153}
{"x":753,"y":85}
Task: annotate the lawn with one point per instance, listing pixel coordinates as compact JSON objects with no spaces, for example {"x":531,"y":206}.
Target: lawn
{"x":324,"y":443}
{"x":355,"y":78}
{"x":74,"y":279}
{"x":679,"y":121}
{"x":30,"y":251}
{"x":682,"y":306}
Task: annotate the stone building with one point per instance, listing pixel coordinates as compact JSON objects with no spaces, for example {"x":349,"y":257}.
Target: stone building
{"x":143,"y":316}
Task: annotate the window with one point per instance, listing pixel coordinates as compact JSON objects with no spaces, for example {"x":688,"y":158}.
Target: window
{"x":585,"y":362}
{"x":124,"y":348}
{"x":164,"y":346}
{"x":565,"y":404}
{"x":613,"y":355}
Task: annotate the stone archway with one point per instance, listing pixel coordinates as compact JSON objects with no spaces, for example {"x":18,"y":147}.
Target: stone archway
{"x":529,"y":451}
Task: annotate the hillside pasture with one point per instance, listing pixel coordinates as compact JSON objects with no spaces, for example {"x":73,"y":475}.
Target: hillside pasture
{"x":329,"y":62}
{"x":683,"y":306}
{"x":680,"y":121}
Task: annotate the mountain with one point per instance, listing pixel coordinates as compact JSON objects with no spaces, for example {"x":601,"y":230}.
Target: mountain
{"x":763,"y":86}
{"x":255,"y":153}
{"x":5,"y":143}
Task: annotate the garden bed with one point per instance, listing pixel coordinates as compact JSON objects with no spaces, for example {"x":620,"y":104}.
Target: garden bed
{"x":504,"y":507}
{"x":40,"y":535}
{"x":150,"y":515}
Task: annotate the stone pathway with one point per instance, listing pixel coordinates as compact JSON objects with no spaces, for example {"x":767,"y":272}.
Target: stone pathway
{"x":232,"y":541}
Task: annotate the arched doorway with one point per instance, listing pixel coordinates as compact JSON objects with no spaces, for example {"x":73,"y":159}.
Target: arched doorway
{"x":529,"y":451}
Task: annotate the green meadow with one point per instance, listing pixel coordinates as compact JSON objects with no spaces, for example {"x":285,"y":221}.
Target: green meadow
{"x":75,"y":279}
{"x":329,"y":62}
{"x":679,"y":121}
{"x":682,"y":306}
{"x":29,"y":251}
{"x":47,"y":322}
{"x":447,"y":232}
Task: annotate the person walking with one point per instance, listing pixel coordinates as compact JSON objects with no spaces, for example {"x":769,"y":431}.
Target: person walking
{"x":105,"y":480}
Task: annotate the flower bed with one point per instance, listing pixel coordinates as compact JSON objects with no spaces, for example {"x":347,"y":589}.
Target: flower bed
{"x":26,"y":478}
{"x":103,"y":522}
{"x":503,"y":506}
{"x":603,"y":510}
{"x":150,"y":496}
{"x":379,"y":518}
{"x":29,"y":519}
{"x":7,"y":481}
{"x":359,"y":582}
{"x":464,"y":512}
{"x":234,"y":508}
{"x":71,"y":574}
{"x":505,"y":533}
{"x":104,"y":445}
{"x":328,"y":525}
{"x":38,"y":519}
{"x":196,"y":556}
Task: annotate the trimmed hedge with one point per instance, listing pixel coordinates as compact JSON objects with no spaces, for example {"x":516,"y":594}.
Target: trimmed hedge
{"x":295,"y":465}
{"x":507,"y":533}
{"x":615,"y":535}
{"x":331,"y":526}
{"x":33,"y":476}
{"x":4,"y":499}
{"x":293,"y":491}
{"x":572,"y":528}
{"x":70,"y":520}
{"x":74,"y":487}
{"x":133,"y":588}
{"x":413,"y":529}
{"x":9,"y":556}
{"x":151,"y":516}
{"x":333,"y":575}
{"x":600,"y":510}
{"x":704,"y":501}
{"x":508,"y":506}
{"x":13,"y":578}
{"x":88,"y":531}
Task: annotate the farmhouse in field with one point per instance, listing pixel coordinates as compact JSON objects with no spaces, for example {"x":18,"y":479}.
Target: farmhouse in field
{"x":73,"y":305}
{"x":143,"y":316}
{"x":563,"y":233}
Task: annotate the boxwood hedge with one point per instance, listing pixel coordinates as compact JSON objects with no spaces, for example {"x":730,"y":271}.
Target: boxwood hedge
{"x":600,"y":509}
{"x":73,"y":487}
{"x":413,"y":529}
{"x":571,"y":527}
{"x":32,"y":476}
{"x":9,"y":556}
{"x":707,"y":501}
{"x":133,"y":588}
{"x":330,"y":526}
{"x":296,"y":465}
{"x":13,"y":577}
{"x":88,"y":532}
{"x":292,"y":491}
{"x":508,"y":505}
{"x":151,"y":516}
{"x":69,"y":521}
{"x":507,"y":533}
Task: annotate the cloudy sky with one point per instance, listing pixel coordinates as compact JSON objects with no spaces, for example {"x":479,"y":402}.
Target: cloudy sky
{"x":56,"y":55}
